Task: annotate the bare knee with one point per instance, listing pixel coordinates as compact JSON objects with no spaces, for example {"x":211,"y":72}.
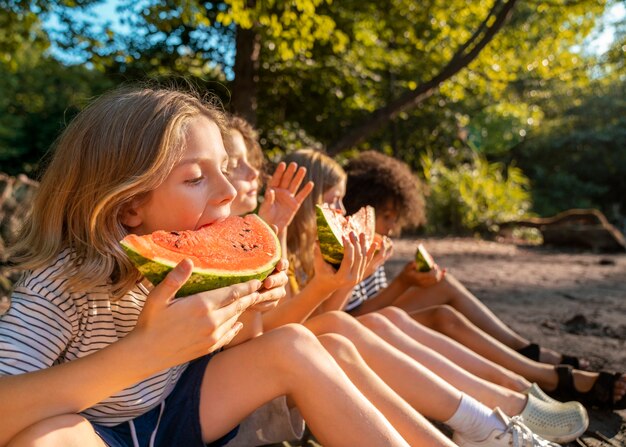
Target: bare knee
{"x":333,"y":322}
{"x":340,"y":348}
{"x":375,"y":321}
{"x":291,"y":342}
{"x":394,"y":314}
{"x":63,"y":431}
{"x":446,"y":319}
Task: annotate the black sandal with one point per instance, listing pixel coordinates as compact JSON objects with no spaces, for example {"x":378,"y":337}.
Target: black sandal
{"x":533,"y":351}
{"x":600,"y":395}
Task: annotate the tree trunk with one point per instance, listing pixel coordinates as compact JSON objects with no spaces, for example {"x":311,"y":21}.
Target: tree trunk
{"x":497,"y":17}
{"x":244,"y":94}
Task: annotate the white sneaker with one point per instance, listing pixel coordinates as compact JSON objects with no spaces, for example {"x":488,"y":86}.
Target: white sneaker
{"x":558,"y":422}
{"x":536,"y":391}
{"x":516,"y":434}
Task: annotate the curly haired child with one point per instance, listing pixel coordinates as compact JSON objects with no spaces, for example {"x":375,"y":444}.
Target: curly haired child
{"x":438,"y":300}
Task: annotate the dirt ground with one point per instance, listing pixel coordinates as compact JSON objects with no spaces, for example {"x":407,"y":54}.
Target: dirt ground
{"x":571,"y":301}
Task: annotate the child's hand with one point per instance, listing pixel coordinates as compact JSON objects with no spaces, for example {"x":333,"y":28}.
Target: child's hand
{"x":352,"y":268}
{"x":273,"y":289}
{"x":382,"y":253}
{"x":180,"y":329}
{"x":282,"y":198}
{"x":413,"y":277}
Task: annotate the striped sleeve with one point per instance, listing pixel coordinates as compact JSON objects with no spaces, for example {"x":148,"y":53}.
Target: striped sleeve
{"x":34,"y":331}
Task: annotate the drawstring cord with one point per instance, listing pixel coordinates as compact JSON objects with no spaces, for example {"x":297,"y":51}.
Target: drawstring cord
{"x":154,"y":432}
{"x":133,"y":431}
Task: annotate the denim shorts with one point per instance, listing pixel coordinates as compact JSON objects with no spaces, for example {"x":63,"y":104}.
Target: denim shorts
{"x":179,"y":415}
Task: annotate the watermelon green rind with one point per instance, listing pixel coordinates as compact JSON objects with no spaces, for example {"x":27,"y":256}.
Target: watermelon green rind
{"x":331,"y":227}
{"x":423,"y":259}
{"x":201,"y":279}
{"x":330,"y":245}
{"x":197,"y":282}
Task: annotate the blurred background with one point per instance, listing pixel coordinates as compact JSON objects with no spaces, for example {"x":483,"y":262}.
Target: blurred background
{"x":506,"y":108}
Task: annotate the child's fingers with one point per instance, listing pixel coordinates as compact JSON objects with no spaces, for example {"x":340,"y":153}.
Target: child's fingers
{"x":273,"y":294}
{"x":223,"y":336}
{"x":278,"y":175}
{"x":288,"y":175}
{"x":349,"y":253}
{"x":304,"y":192}
{"x":220,"y":316}
{"x":364,"y":253}
{"x":265,"y":306}
{"x":277,"y":279}
{"x":242,"y":293}
{"x":174,"y":280}
{"x":297,"y":180}
{"x":270,"y":197}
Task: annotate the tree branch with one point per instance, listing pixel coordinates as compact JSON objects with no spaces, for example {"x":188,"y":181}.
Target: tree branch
{"x":462,"y":57}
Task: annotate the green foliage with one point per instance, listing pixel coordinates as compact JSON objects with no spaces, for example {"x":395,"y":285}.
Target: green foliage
{"x":38,"y":95}
{"x":577,"y":158}
{"x":473,"y":197}
{"x":531,"y":98}
{"x":286,"y":138}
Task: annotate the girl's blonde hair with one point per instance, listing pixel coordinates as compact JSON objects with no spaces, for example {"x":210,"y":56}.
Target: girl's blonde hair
{"x":325,"y":173}
{"x":117,"y":150}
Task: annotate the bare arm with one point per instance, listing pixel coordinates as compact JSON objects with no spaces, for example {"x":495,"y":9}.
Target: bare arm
{"x":169,"y":332}
{"x":326,"y":282}
{"x":408,"y":277}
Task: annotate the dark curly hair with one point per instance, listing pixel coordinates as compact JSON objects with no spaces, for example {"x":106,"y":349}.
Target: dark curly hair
{"x":375,"y":179}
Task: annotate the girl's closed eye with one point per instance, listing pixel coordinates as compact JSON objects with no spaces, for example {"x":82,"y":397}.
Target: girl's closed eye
{"x":195,"y":180}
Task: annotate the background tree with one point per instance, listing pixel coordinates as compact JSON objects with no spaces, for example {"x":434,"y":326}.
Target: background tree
{"x":471,"y":84}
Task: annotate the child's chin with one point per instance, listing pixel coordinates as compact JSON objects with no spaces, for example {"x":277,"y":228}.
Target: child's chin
{"x":243,"y":208}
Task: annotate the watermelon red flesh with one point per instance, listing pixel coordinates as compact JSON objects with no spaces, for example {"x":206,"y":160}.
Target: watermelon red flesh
{"x":228,"y":252}
{"x":332,"y":225}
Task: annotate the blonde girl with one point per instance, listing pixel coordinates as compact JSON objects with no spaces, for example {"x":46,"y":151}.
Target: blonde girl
{"x":91,"y":355}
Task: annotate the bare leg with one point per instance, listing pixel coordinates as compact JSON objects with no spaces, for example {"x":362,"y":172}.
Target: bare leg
{"x":450,"y":291}
{"x":450,"y":322}
{"x":453,"y":350}
{"x":411,"y":425}
{"x":426,"y":369}
{"x":68,"y":430}
{"x":289,"y":360}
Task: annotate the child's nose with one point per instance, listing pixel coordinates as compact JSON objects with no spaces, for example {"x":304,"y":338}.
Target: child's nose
{"x":340,"y":207}
{"x":251,"y":173}
{"x":225,"y":193}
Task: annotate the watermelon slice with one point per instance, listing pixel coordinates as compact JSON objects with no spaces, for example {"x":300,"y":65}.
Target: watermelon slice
{"x":423,"y":259}
{"x":234,"y":250}
{"x":332,"y":225}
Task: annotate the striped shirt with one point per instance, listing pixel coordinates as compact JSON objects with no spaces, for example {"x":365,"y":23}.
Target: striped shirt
{"x":46,"y":325}
{"x":367,"y":288}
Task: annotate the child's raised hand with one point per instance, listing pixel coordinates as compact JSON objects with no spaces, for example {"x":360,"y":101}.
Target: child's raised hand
{"x":413,"y":277}
{"x":282,"y":198}
{"x":181,"y":329}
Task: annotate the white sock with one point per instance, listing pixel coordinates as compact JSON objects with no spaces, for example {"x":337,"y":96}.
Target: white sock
{"x":473,"y":420}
